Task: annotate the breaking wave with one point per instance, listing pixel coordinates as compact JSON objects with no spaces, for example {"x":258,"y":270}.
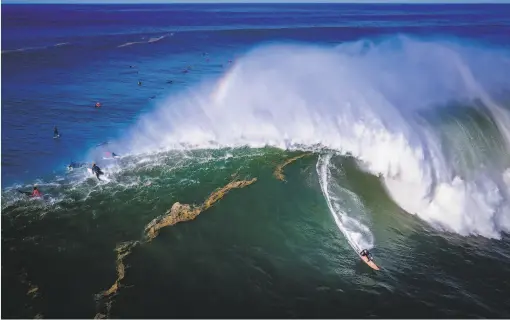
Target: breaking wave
{"x":427,"y":116}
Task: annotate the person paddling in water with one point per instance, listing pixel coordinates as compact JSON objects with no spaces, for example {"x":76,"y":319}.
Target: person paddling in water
{"x":55,"y":132}
{"x":34,"y":194}
{"x":366,"y":253}
{"x":97,"y":171}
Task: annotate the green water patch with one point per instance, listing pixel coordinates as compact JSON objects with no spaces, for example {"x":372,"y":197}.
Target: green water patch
{"x":267,"y":236}
{"x":69,"y":246}
{"x":272,"y":248}
{"x":385,"y":213}
{"x":152,"y":230}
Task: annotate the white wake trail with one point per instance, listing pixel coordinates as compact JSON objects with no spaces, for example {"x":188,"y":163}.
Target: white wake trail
{"x":357,"y":234}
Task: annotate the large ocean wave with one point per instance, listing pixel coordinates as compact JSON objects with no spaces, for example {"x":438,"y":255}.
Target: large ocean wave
{"x":399,"y":105}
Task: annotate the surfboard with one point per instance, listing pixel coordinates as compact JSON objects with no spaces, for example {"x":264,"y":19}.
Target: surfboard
{"x":371,"y":264}
{"x":56,"y":137}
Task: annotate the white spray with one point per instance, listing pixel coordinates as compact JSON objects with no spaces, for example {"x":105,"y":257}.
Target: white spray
{"x":361,"y":98}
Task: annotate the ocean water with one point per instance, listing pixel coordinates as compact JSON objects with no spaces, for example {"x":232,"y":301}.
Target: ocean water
{"x":393,"y":122}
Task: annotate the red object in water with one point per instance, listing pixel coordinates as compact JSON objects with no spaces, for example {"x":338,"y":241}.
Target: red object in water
{"x":36,"y":193}
{"x":98,"y":105}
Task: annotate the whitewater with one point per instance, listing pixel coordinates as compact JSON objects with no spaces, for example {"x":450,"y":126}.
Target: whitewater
{"x":378,"y":101}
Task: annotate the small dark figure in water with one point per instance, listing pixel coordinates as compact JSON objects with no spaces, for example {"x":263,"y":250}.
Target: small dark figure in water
{"x":55,"y":132}
{"x":111,"y":154}
{"x":75,"y":165}
{"x":139,"y":83}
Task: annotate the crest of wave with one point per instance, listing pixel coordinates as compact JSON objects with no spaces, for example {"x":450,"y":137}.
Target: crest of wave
{"x":361,"y":98}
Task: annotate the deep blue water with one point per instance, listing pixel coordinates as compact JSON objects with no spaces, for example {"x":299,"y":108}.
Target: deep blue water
{"x":58,"y":60}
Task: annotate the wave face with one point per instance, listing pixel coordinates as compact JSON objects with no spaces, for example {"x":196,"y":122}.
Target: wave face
{"x":400,"y":106}
{"x":345,"y":206}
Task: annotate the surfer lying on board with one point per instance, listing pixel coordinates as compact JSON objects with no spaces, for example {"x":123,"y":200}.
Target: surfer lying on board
{"x":96,"y":170}
{"x":366,"y":253}
{"x":34,"y":194}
